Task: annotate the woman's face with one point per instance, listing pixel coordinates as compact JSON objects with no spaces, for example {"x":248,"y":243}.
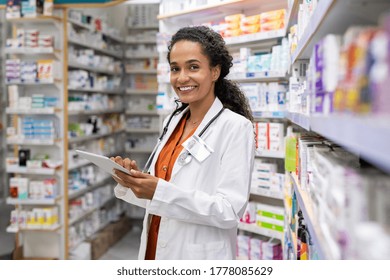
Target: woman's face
{"x":191,"y":75}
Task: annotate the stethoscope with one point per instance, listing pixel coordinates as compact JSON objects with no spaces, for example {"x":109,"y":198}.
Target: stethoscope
{"x":186,"y":156}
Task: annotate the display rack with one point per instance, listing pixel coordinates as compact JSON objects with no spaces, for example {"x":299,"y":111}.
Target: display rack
{"x":141,"y":81}
{"x":48,"y":241}
{"x":364,"y":135}
{"x":173,"y":17}
{"x":3,"y":189}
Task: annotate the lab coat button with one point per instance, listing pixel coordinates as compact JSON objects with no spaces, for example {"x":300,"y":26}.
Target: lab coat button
{"x":163,"y":244}
{"x":165,"y":168}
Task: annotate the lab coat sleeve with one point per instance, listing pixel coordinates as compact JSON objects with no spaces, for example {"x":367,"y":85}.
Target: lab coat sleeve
{"x":128,"y":196}
{"x":226,"y":206}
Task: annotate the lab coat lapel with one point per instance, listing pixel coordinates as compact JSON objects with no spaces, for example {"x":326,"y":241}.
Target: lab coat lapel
{"x":214,"y":109}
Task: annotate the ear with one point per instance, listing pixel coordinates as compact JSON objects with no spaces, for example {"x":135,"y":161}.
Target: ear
{"x":215,"y":72}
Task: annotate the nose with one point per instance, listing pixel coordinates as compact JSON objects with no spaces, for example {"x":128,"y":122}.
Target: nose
{"x":183,"y":77}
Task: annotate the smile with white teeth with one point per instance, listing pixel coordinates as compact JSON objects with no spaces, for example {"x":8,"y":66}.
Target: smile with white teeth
{"x":186,"y":88}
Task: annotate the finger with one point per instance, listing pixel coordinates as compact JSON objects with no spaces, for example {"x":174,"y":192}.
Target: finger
{"x":134,"y":165}
{"x":127,"y":163}
{"x":119,"y":160}
{"x":138,"y":174}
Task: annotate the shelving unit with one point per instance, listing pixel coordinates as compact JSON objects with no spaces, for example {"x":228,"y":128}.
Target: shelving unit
{"x":3,"y":189}
{"x":52,"y":237}
{"x":366,"y":136}
{"x":141,"y":57}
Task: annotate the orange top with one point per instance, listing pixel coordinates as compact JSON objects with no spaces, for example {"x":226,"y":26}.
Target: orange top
{"x":163,"y":170}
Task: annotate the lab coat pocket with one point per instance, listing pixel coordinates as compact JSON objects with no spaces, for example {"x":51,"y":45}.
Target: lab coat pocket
{"x":207,"y":251}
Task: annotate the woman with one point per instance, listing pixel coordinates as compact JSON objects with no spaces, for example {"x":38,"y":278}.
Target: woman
{"x":195,"y":195}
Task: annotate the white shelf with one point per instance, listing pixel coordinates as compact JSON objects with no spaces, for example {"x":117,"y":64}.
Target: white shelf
{"x":261,"y":231}
{"x":32,"y":83}
{"x":88,"y":46}
{"x":142,"y":56}
{"x":270,"y":154}
{"x":269,"y":115}
{"x":27,"y":51}
{"x":82,"y":216}
{"x":255,"y":38}
{"x":46,"y":201}
{"x":142,"y":130}
{"x":141,"y":91}
{"x":267,"y":193}
{"x":369,"y":137}
{"x":266,"y":76}
{"x":334,"y":17}
{"x":79,"y":164}
{"x":143,"y":113}
{"x":39,"y":19}
{"x":43,"y":229}
{"x":140,"y":150}
{"x":91,"y":137}
{"x":140,"y":41}
{"x":142,"y":71}
{"x":94,"y":112}
{"x":33,"y":142}
{"x":97,"y":90}
{"x":74,"y":64}
{"x":299,"y":119}
{"x":25,"y":170}
{"x":33,"y":111}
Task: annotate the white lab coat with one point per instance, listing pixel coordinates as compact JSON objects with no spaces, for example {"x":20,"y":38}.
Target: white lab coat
{"x":202,"y":204}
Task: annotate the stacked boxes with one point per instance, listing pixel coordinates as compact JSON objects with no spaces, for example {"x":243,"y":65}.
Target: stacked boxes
{"x":36,"y":218}
{"x":270,"y":217}
{"x":270,"y":137}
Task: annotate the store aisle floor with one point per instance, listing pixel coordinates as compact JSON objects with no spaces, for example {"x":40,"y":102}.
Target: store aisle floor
{"x":126,"y":248}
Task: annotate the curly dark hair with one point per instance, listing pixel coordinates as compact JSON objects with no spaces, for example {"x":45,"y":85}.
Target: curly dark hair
{"x":215,"y":49}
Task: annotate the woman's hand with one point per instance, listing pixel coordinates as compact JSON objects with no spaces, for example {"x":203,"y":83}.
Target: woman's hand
{"x":143,"y":185}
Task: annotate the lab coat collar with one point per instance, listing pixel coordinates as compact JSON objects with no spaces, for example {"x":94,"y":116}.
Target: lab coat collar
{"x":214,"y":109}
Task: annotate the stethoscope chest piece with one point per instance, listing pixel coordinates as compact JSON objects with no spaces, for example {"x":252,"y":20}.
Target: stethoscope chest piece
{"x":185,"y":158}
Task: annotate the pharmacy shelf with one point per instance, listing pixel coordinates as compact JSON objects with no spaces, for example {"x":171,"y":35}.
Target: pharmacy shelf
{"x":218,"y":7}
{"x":29,"y":51}
{"x":261,"y":231}
{"x":39,"y":19}
{"x":96,"y":90}
{"x":95,"y":69}
{"x":52,"y":228}
{"x":335,"y":17}
{"x":80,"y":163}
{"x":261,"y":37}
{"x":139,"y":150}
{"x":142,"y":71}
{"x":266,"y":76}
{"x":369,"y":137}
{"x":82,"y":216}
{"x":143,"y":130}
{"x":92,"y":137}
{"x":33,"y":142}
{"x":142,"y":92}
{"x":132,"y":41}
{"x":44,"y":201}
{"x":33,"y":111}
{"x":267,"y":193}
{"x":94,"y":112}
{"x":315,"y":229}
{"x":33,"y":83}
{"x":270,"y":154}
{"x":292,"y":14}
{"x":26,"y":170}
{"x":142,"y":113}
{"x":99,"y":50}
{"x":269,"y":115}
{"x":142,"y":55}
{"x":299,"y":119}
{"x":91,"y":187}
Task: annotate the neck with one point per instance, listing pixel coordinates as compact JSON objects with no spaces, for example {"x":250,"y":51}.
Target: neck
{"x":198,"y":111}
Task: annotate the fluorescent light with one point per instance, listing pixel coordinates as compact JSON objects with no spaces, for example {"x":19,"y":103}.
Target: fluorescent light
{"x":129,"y":2}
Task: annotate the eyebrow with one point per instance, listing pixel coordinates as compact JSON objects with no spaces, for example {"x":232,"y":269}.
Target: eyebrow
{"x":187,"y":62}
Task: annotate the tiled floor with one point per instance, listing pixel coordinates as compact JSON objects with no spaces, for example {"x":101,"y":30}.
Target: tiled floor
{"x":126,"y":248}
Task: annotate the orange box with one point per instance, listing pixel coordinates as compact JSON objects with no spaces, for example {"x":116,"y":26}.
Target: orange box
{"x":272,"y":15}
{"x":234,"y":18}
{"x":251,"y":20}
{"x":272,"y":25}
{"x":250,"y":29}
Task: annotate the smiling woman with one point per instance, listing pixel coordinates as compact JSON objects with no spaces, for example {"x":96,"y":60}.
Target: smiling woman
{"x":196,"y":185}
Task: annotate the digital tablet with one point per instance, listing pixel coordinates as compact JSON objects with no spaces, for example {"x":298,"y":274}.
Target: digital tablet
{"x":103,"y":162}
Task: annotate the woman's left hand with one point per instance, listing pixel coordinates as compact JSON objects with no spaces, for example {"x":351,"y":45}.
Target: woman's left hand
{"x":142,"y":184}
